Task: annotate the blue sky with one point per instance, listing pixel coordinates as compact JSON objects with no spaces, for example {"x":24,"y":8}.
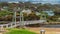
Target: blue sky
{"x":36,"y":1}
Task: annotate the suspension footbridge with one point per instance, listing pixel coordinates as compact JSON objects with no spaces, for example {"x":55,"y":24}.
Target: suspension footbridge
{"x":13,"y":24}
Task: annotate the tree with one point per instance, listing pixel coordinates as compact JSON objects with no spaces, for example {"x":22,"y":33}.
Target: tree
{"x":43,"y":15}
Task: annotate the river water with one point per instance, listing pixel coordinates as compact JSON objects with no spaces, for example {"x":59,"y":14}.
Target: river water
{"x":51,"y":26}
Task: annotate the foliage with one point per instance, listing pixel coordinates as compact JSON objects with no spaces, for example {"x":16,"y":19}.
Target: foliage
{"x":31,"y":16}
{"x":4,"y":13}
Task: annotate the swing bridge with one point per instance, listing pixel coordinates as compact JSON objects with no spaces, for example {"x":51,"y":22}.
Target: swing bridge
{"x":18,"y":23}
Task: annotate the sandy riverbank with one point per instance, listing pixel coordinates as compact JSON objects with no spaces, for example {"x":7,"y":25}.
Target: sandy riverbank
{"x":48,"y":30}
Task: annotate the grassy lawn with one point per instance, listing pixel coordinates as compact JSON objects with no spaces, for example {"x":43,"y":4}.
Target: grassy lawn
{"x":19,"y":31}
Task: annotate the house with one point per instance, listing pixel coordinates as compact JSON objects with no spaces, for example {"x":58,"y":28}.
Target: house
{"x":28,"y":11}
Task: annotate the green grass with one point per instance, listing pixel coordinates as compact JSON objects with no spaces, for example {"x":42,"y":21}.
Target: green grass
{"x":19,"y":31}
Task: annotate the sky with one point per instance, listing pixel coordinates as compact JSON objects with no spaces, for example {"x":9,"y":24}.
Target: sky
{"x":33,"y":1}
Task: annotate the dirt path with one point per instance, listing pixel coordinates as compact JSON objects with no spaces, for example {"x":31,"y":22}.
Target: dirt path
{"x":48,"y":30}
